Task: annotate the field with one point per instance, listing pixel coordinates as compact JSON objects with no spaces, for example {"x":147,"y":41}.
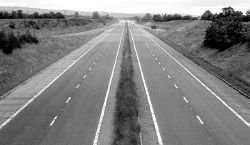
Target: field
{"x":187,"y":37}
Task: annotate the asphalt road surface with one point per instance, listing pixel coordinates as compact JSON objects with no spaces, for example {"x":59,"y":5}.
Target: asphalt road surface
{"x":68,"y":112}
{"x":187,"y":111}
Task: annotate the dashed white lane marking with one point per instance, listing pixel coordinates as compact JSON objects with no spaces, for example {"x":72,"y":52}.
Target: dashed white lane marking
{"x":156,"y":58}
{"x":84,"y":76}
{"x":198,"y":80}
{"x":198,"y":117}
{"x":169,"y":76}
{"x":100,"y":54}
{"x":78,"y":86}
{"x":68,"y":100}
{"x":185,"y":99}
{"x":159,"y":63}
{"x":32,"y":99}
{"x":94,"y":63}
{"x":163,"y":69}
{"x":53,"y":121}
{"x":175,"y":86}
{"x":147,"y":94}
{"x":107,"y":94}
{"x":153,"y":54}
{"x":90,"y":68}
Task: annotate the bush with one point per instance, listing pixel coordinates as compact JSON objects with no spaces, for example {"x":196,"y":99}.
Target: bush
{"x":28,"y":38}
{"x":3,"y":40}
{"x":12,"y":25}
{"x":226,"y":30}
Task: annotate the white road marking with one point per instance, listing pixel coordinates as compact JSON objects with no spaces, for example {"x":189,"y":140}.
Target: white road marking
{"x":156,"y":58}
{"x":148,"y":97}
{"x":159,"y":63}
{"x":198,"y":80}
{"x":175,"y":86}
{"x":139,"y":121}
{"x":169,"y":76}
{"x":100,"y":54}
{"x":153,"y":54}
{"x":78,"y":86}
{"x":32,"y":99}
{"x":107,"y":94}
{"x":53,"y":121}
{"x":163,"y":69}
{"x":90,"y":68}
{"x":185,"y":99}
{"x":198,"y":117}
{"x":84,"y":76}
{"x":68,"y":100}
{"x":94,"y":63}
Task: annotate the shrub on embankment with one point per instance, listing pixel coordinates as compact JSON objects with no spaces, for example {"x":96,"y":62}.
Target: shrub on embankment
{"x":126,"y":116}
{"x":9,"y":41}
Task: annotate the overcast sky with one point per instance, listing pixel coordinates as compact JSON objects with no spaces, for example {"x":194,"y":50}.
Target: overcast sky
{"x":194,"y":7}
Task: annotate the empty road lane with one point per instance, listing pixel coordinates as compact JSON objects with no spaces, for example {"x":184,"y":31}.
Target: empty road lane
{"x":187,"y":111}
{"x":68,"y":111}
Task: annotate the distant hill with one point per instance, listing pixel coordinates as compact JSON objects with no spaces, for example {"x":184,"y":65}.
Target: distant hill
{"x":67,"y":12}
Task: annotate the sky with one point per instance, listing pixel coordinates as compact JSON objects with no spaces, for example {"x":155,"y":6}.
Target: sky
{"x":193,"y":7}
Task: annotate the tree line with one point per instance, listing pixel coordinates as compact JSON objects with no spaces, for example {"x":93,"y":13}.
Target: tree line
{"x":20,"y":15}
{"x":167,"y":17}
{"x":208,"y":15}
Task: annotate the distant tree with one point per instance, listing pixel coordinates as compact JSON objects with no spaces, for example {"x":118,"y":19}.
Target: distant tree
{"x":76,"y":16}
{"x":177,"y":17}
{"x":59,"y":15}
{"x":147,"y":17}
{"x":247,"y":17}
{"x":20,"y":14}
{"x":95,"y":15}
{"x":6,"y":15}
{"x":13,"y":15}
{"x":36,"y":15}
{"x":207,"y":15}
{"x":157,"y":18}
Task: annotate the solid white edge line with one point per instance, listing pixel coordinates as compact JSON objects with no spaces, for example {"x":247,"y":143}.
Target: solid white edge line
{"x":147,"y":94}
{"x":185,"y":99}
{"x":107,"y":94}
{"x":68,"y":100}
{"x":53,"y":121}
{"x":198,"y":117}
{"x":32,"y":99}
{"x":224,"y":103}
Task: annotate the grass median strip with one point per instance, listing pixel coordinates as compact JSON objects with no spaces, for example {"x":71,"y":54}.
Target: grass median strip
{"x":126,"y":125}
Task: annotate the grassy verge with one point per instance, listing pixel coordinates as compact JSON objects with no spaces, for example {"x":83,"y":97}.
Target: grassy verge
{"x":126,"y":116}
{"x":31,"y":59}
{"x":191,"y":47}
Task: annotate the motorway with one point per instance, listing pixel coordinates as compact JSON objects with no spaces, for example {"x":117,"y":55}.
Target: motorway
{"x":186,"y":110}
{"x":70,"y":110}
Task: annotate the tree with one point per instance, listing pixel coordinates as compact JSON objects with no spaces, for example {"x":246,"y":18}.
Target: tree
{"x":207,"y":15}
{"x":157,"y":17}
{"x":36,"y":15}
{"x":59,"y":15}
{"x":147,"y":17}
{"x":20,"y":14}
{"x":95,"y":15}
{"x":226,"y":30}
{"x":76,"y":16}
{"x":13,"y":15}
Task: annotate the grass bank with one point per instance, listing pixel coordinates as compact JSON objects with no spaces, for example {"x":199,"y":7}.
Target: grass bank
{"x":232,"y":64}
{"x":31,"y":59}
{"x":126,"y":125}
